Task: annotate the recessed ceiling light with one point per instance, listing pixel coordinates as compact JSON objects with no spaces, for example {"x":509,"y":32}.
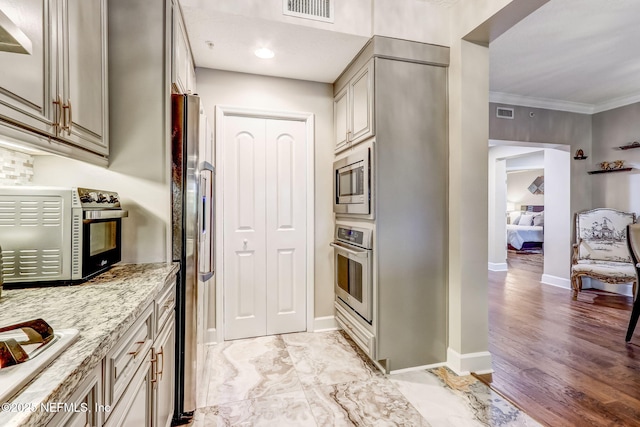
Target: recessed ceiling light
{"x":264,"y":53}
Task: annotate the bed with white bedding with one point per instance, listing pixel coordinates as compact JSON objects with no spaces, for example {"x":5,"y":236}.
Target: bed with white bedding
{"x":526,"y":228}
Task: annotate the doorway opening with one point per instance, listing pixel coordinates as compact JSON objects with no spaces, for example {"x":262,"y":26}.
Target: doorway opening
{"x":544,"y":202}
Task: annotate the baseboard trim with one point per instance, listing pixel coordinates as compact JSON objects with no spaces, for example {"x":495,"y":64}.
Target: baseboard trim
{"x":326,"y":323}
{"x":464,"y":364}
{"x":498,"y":266}
{"x":556,"y":281}
{"x":211,"y":336}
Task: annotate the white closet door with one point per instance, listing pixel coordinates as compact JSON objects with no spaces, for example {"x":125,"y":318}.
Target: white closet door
{"x":264,"y":221}
{"x":286,"y":226}
{"x":244,"y":228}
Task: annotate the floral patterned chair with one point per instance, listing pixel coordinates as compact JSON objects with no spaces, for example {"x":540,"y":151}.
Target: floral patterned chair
{"x":633,"y":240}
{"x":601,"y":251}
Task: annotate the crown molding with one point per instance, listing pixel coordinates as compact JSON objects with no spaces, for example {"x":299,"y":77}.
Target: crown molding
{"x":617,"y":103}
{"x":549,"y":104}
{"x":554,"y":104}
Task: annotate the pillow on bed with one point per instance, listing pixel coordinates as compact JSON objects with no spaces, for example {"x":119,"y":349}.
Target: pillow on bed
{"x":538,"y":219}
{"x":526,"y":219}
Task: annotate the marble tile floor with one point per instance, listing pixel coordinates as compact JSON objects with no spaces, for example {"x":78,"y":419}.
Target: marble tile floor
{"x":322,"y":379}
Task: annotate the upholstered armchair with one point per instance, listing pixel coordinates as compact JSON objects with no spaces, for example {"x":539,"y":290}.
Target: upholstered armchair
{"x":633,"y":240}
{"x":601,"y":251}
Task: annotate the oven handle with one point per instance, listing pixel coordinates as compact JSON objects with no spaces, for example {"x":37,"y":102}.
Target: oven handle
{"x":105,"y":214}
{"x":361,"y":253}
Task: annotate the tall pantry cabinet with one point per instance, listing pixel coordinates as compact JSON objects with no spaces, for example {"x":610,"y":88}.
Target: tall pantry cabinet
{"x":397,"y":104}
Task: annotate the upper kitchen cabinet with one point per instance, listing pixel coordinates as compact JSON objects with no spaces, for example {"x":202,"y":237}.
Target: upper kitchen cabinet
{"x":183,"y":76}
{"x":26,"y":79}
{"x":82,"y":73}
{"x":59,"y":90}
{"x":354,"y":108}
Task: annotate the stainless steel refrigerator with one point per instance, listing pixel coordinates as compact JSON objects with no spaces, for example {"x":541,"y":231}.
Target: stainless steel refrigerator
{"x":193,"y":218}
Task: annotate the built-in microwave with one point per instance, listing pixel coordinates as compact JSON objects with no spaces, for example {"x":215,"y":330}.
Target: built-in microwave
{"x":353,"y":181}
{"x":58,"y":235}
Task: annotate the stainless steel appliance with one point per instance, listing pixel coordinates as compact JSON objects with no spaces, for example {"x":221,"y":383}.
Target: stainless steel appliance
{"x":193,"y":233}
{"x":353,"y":281}
{"x":58,"y":235}
{"x":353,"y":180}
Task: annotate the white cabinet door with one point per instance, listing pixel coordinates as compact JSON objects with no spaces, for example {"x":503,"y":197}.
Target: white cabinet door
{"x":353,"y":109}
{"x":361,"y":90}
{"x":264,"y":217}
{"x":164,"y":380}
{"x":83,"y":73}
{"x":341,"y":118}
{"x":135,"y":405}
{"x":87,"y":400}
{"x":181,"y":69}
{"x":26,"y":79}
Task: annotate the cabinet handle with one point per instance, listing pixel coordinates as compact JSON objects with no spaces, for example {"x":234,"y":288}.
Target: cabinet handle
{"x":70,"y":122}
{"x":137,"y":350}
{"x":161,"y":371}
{"x":66,"y":123}
{"x":168,"y":304}
{"x":58,"y":104}
{"x":154,"y":373}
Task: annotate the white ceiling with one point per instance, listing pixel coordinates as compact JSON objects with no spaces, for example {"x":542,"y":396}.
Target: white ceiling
{"x":302,"y":53}
{"x":575,"y":55}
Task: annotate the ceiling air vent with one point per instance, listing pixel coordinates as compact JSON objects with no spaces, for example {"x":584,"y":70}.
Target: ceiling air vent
{"x":504,"y":113}
{"x":319,"y":10}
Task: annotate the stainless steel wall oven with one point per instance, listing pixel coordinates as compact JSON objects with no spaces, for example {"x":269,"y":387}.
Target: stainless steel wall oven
{"x":353,"y":280}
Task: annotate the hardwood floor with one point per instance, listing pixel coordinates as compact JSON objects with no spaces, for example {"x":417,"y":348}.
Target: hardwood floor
{"x":564,"y":362}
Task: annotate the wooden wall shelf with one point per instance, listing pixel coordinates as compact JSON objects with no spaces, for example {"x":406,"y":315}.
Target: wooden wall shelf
{"x":629,"y":146}
{"x":609,"y":170}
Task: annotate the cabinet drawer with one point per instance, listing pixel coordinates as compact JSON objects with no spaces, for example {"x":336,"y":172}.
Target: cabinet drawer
{"x":124,"y":359}
{"x":358,"y":333}
{"x":165,"y":305}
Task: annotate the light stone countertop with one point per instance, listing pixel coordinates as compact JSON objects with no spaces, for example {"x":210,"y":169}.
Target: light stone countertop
{"x":102,"y":309}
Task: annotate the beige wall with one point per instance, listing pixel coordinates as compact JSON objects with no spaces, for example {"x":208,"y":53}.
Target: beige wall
{"x":518,"y":183}
{"x":468,"y":172}
{"x":144,"y":232}
{"x":270,"y":93}
{"x":420,"y":21}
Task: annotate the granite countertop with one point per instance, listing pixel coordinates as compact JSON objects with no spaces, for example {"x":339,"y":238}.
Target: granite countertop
{"x":102,"y":309}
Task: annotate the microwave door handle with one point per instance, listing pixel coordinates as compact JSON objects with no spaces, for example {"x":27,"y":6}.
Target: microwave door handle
{"x":361,"y":254}
{"x":89,"y":216}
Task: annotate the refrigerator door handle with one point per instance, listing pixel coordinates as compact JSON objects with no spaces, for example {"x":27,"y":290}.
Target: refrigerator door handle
{"x":207,"y":259}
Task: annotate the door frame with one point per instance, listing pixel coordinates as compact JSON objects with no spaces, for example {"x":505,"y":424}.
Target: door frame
{"x":223,"y":111}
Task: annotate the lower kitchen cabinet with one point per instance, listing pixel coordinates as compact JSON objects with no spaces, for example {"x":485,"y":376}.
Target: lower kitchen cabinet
{"x":147,"y":399}
{"x":164,"y":379}
{"x":134,"y":407}
{"x":83,"y":409}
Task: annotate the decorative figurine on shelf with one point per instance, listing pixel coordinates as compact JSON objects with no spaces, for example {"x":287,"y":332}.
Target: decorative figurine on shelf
{"x":605,"y":166}
{"x":617,"y":164}
{"x":579,"y":155}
